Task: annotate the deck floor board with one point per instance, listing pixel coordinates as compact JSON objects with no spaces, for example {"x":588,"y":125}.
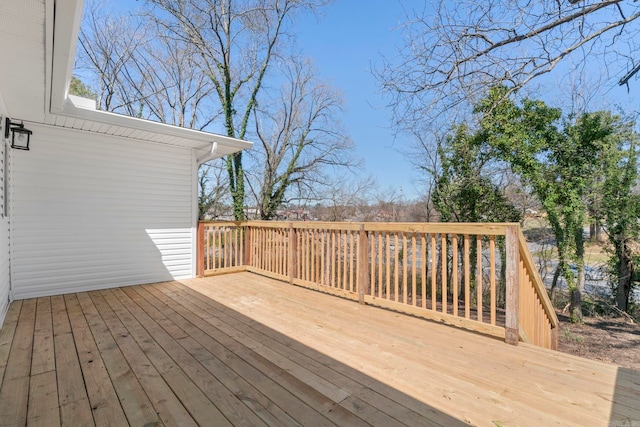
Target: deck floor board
{"x":245,"y":350}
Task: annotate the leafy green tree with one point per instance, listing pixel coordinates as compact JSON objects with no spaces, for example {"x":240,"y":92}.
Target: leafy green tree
{"x":79,"y":88}
{"x":618,"y":205}
{"x":463,"y":192}
{"x":557,"y":161}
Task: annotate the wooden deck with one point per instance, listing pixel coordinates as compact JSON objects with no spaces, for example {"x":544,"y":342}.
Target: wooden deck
{"x":242,"y":349}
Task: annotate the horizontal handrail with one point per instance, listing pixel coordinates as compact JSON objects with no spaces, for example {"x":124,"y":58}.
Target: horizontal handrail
{"x":479,"y":276}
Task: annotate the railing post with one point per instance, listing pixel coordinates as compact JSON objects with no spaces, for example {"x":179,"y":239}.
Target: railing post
{"x":512,"y":278}
{"x":363,"y":264}
{"x":293,"y":251}
{"x":200,"y":250}
{"x":247,"y":246}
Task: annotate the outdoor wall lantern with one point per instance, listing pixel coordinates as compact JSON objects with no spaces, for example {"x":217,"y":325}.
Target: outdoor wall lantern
{"x":19,"y":135}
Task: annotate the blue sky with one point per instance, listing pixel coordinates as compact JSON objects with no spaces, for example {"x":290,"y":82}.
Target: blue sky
{"x":345,"y":43}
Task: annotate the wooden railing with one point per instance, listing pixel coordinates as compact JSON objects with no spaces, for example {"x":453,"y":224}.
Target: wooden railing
{"x":476,"y":276}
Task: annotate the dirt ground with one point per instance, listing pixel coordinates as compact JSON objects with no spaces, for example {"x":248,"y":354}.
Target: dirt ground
{"x":613,"y":340}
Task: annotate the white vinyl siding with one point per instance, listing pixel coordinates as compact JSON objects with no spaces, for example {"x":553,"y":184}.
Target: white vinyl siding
{"x":91,"y":211}
{"x":5,"y":286}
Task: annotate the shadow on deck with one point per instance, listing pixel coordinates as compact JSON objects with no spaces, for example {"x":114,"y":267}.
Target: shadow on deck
{"x":242,"y":349}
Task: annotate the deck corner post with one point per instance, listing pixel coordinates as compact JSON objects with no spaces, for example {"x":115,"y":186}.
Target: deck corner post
{"x":363,"y":264}
{"x":512,"y":278}
{"x":200,"y":250}
{"x":293,"y":250}
{"x":247,"y":246}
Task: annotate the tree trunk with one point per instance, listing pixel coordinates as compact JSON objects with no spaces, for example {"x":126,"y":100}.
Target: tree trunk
{"x":625,"y":275}
{"x":554,"y":282}
{"x":576,"y":291}
{"x":575,"y":308}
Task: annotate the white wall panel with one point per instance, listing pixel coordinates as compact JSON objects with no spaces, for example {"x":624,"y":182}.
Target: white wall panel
{"x":4,"y":238}
{"x":92,"y":211}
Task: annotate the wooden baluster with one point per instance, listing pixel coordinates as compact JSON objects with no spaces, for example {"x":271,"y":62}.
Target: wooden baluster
{"x":443,"y":251}
{"x":396,"y":267}
{"x":271,"y":250}
{"x":333,"y":259}
{"x":344,"y":240}
{"x":217,"y":250}
{"x":479,"y":276}
{"x":351,"y":255}
{"x":434,"y":261}
{"x":454,"y":273}
{"x":240,"y":243}
{"x":323,"y":260}
{"x":309,"y":256}
{"x":222,"y":256}
{"x":363,"y":264}
{"x":423,"y":262}
{"x":282,"y":250}
{"x":387,"y":239}
{"x":235,"y":246}
{"x":372,"y":251}
{"x":305,"y":254}
{"x":262,"y":252}
{"x":293,"y":250}
{"x":247,"y":246}
{"x":227,"y":245}
{"x":467,"y":277}
{"x":272,"y":264}
{"x":379,"y":261}
{"x":492,"y":266}
{"x":276,"y":251}
{"x":414,"y":278}
{"x":405,"y":265}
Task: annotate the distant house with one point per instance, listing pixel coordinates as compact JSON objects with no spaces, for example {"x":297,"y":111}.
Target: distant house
{"x":100,"y":200}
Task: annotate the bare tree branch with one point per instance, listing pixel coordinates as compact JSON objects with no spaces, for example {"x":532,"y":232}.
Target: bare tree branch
{"x":453,"y":54}
{"x":300,"y":136}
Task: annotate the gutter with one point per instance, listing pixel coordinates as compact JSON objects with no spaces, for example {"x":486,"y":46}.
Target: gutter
{"x":213,"y":154}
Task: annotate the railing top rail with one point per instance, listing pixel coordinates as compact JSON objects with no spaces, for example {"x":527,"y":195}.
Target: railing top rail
{"x":525,"y":256}
{"x":236,"y":223}
{"x":309,"y":225}
{"x":487,"y":229}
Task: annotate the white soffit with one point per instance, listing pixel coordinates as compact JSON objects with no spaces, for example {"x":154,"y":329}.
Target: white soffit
{"x":77,"y":113}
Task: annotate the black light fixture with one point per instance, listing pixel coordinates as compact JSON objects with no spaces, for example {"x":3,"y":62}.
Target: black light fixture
{"x":19,"y":135}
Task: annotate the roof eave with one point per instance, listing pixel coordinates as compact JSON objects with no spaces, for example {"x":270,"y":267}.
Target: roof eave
{"x":67,"y":16}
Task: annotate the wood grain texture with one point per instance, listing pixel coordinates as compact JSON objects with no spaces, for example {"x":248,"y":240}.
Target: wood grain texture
{"x":242,"y":349}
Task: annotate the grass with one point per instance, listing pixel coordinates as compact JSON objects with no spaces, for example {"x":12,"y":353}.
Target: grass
{"x":595,"y":253}
{"x":570,"y":336}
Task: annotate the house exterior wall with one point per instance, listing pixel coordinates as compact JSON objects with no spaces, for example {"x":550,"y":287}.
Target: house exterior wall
{"x":5,"y":286}
{"x":91,"y":211}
